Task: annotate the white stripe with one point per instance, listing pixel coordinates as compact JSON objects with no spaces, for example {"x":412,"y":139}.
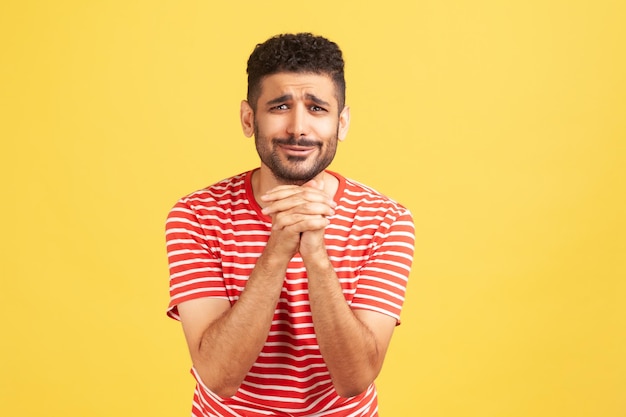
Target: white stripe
{"x":378,"y":289}
{"x":384,"y":272}
{"x":291,"y":378}
{"x":193,"y":271}
{"x":295,"y":358}
{"x":378,"y":300}
{"x":186,"y":293}
{"x":194,"y":281}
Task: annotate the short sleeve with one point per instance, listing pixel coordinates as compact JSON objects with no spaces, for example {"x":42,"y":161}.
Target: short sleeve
{"x":383,"y":278}
{"x":193,"y":256}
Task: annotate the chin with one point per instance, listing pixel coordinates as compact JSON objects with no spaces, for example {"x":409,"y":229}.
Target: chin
{"x":294,"y":178}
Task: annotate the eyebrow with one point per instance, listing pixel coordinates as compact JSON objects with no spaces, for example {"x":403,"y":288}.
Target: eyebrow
{"x":287,"y":97}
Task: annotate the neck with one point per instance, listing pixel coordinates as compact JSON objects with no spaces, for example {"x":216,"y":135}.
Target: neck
{"x":264,"y":180}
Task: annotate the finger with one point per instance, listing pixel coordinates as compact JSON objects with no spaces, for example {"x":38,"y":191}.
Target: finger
{"x":299,"y":223}
{"x":283,"y":191}
{"x":297,"y":206}
{"x":283,"y":188}
{"x":302,"y":193}
{"x":319,"y":184}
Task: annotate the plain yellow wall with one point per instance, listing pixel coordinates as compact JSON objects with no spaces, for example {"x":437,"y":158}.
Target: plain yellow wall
{"x":500,"y":124}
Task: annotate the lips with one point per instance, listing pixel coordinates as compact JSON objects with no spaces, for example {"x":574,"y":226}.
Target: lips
{"x":298,"y":150}
{"x":301,"y":148}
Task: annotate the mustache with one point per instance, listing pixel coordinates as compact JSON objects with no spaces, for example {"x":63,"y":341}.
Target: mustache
{"x":292,"y":141}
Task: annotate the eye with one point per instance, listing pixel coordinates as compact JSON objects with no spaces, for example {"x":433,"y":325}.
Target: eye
{"x":281,"y":107}
{"x":316,"y":109}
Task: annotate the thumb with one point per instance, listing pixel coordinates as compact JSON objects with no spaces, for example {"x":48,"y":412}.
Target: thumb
{"x":319,"y":184}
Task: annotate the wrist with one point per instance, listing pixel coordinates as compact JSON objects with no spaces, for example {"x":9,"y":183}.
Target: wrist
{"x":317,"y":261}
{"x":273,"y":260}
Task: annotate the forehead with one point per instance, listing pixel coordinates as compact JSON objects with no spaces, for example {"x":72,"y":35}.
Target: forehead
{"x":298,"y":85}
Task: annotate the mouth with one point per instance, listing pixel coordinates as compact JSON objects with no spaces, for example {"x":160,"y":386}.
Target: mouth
{"x":300,"y":149}
{"x":297,"y":150}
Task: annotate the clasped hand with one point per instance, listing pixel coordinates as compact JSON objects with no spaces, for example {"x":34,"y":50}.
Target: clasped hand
{"x":299,"y":218}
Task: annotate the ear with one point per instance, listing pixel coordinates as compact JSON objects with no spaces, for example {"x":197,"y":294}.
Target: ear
{"x":344,"y":123}
{"x":246,"y":115}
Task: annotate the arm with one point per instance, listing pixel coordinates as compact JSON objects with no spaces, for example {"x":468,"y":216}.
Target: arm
{"x":224,"y":341}
{"x":352,"y":342}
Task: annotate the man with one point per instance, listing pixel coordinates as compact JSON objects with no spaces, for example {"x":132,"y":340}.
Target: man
{"x":289,"y":279}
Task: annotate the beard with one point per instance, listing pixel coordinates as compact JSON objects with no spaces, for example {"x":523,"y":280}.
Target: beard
{"x":294,"y":169}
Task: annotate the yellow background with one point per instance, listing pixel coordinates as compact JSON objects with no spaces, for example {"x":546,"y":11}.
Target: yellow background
{"x":500,"y":124}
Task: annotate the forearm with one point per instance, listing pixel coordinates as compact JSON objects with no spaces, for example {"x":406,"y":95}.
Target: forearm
{"x":349,"y":348}
{"x":353,"y":354}
{"x":231,"y":344}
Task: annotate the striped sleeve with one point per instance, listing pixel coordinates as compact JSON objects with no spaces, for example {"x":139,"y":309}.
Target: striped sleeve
{"x":384,"y":277}
{"x":194,"y":259}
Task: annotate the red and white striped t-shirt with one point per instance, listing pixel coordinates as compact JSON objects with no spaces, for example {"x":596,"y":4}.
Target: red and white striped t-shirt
{"x":214,"y":237}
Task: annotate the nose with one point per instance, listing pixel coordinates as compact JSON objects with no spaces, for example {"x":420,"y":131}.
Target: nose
{"x":297,"y":121}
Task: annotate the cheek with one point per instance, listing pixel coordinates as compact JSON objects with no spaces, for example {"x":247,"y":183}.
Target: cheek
{"x":270,"y":126}
{"x":327,"y":130}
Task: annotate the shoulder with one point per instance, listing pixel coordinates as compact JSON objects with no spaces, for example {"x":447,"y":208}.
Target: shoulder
{"x":364,"y":198}
{"x":212,"y":203}
{"x":220,"y":193}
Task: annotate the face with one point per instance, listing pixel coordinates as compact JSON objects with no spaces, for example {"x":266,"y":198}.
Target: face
{"x":296,"y":126}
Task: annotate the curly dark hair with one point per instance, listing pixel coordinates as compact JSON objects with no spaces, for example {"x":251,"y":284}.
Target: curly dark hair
{"x":300,"y":52}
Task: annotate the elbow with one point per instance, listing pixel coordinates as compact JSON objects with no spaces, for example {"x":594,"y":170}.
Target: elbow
{"x":352,"y":388}
{"x":220,"y":387}
{"x":349,"y":393}
{"x":355,"y":384}
{"x":217,"y":380}
{"x":224,"y":392}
